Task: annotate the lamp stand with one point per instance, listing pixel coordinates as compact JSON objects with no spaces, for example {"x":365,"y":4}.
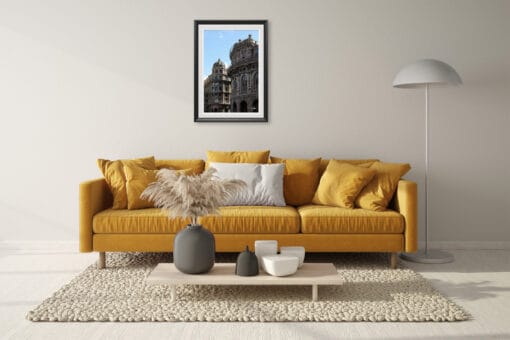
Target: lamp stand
{"x":426,"y":255}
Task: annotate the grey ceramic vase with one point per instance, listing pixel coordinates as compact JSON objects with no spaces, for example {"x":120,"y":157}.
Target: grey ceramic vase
{"x":247,"y":263}
{"x":194,"y":250}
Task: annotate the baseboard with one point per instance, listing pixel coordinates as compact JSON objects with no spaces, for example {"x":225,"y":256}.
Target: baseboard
{"x":53,"y":246}
{"x":467,"y":245}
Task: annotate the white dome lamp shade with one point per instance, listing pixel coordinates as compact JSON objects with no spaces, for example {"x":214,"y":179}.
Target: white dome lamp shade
{"x":424,"y":73}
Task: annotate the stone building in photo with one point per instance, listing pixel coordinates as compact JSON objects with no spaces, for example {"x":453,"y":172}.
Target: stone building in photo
{"x":234,"y":89}
{"x":217,"y":89}
{"x":244,"y":72}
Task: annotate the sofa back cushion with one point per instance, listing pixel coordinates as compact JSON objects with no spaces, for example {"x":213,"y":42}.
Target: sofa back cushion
{"x":325,"y":162}
{"x":196,"y":165}
{"x":259,"y":157}
{"x":379,"y":192}
{"x":113,"y":172}
{"x":137,"y":180}
{"x":300,"y":180}
{"x":341,"y":183}
{"x":264,"y":182}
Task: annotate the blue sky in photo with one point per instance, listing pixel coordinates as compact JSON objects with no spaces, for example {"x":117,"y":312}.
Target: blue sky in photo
{"x":217,"y":44}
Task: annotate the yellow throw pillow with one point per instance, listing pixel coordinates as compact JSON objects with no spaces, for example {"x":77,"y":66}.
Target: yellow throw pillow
{"x":378,"y":193}
{"x":260,"y":157}
{"x":300,"y":179}
{"x":361,"y":162}
{"x":137,"y":180}
{"x":341,"y":183}
{"x":196,"y":166}
{"x":113,"y":172}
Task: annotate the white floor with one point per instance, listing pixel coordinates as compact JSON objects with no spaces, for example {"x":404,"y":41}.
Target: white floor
{"x":478,"y":280}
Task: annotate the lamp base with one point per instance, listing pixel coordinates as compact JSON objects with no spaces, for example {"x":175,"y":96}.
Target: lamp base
{"x":429,"y":256}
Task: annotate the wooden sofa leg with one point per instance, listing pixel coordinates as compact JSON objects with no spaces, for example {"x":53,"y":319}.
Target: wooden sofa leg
{"x":393,"y":260}
{"x":101,"y":264}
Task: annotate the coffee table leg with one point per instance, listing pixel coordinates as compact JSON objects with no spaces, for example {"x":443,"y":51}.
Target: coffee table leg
{"x":315,"y":292}
{"x":172,"y":292}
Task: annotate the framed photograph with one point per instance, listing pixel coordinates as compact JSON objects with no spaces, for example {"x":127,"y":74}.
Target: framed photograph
{"x":230,"y":71}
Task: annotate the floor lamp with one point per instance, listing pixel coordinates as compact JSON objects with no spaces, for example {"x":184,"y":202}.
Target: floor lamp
{"x":425,"y":73}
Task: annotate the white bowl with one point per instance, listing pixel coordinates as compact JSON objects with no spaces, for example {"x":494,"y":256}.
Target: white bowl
{"x":280,"y":265}
{"x":294,"y":251}
{"x":265,"y":247}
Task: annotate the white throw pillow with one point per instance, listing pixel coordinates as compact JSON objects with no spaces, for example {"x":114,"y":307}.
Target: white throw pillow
{"x":264,"y":182}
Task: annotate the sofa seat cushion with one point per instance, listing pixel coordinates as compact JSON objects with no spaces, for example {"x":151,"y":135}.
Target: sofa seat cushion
{"x":138,"y":221}
{"x":253,"y":220}
{"x":321,"y":219}
{"x":235,"y":219}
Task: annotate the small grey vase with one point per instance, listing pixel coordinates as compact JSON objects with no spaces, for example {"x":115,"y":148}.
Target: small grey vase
{"x":247,"y":263}
{"x":194,"y":249}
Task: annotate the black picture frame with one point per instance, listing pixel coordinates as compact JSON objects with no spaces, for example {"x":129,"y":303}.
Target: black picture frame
{"x":247,"y":100}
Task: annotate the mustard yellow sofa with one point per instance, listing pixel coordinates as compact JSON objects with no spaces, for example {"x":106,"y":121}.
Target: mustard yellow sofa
{"x":317,"y":228}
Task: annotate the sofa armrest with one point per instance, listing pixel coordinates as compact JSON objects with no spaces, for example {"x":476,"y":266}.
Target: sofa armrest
{"x":95,"y":196}
{"x":406,"y":203}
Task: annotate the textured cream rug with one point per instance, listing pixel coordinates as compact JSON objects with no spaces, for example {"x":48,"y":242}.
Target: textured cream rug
{"x":372,"y":292}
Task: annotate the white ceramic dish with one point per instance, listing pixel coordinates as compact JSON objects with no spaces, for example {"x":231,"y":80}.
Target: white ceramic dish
{"x":265,"y":247}
{"x":294,"y":251}
{"x":280,"y":265}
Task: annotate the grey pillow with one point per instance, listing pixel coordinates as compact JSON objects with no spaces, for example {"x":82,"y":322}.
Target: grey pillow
{"x":264,"y":182}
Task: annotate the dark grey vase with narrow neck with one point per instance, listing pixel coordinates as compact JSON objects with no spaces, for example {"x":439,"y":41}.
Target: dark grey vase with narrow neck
{"x":194,"y":249}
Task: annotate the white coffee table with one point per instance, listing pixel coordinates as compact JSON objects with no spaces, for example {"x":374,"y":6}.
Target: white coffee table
{"x":310,"y":274}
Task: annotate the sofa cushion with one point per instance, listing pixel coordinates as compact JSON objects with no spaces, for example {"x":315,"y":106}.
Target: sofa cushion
{"x":325,"y":163}
{"x":253,"y":220}
{"x":341,"y":183}
{"x":264,"y":183}
{"x":138,"y":221}
{"x":300,"y":180}
{"x":320,"y":219}
{"x":113,"y":172}
{"x":137,"y":180}
{"x":237,"y":219}
{"x":378,"y":193}
{"x":259,"y":157}
{"x":197,"y":165}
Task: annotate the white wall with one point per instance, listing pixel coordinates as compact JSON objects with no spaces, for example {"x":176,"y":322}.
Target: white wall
{"x":87,"y":79}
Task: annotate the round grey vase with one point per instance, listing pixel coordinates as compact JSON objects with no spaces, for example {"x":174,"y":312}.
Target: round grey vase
{"x":194,"y":249}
